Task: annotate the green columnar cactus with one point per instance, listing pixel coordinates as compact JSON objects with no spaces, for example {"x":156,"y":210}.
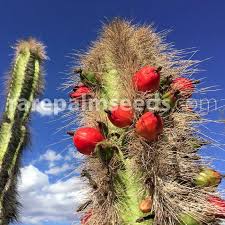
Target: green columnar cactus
{"x":25,"y":83}
{"x":148,"y":180}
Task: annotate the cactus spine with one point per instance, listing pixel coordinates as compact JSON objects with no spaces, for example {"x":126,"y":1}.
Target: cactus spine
{"x":25,"y":84}
{"x":163,"y":170}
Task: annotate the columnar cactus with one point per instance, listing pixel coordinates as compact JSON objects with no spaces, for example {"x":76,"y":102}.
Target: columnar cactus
{"x":142,"y":162}
{"x":25,"y":83}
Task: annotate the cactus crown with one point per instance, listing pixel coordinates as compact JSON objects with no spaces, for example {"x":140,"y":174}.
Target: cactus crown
{"x":33,"y":46}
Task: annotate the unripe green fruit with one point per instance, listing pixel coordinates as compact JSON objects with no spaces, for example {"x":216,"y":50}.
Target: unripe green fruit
{"x":169,"y":98}
{"x":188,"y":220}
{"x":208,"y":177}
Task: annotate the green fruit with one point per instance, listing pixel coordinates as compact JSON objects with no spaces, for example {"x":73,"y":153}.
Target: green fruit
{"x":188,"y":220}
{"x":208,"y":177}
{"x":170,"y":98}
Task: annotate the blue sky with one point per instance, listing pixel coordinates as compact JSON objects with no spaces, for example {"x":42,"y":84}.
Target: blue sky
{"x":68,"y":25}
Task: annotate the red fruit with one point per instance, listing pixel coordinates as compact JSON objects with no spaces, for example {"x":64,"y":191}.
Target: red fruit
{"x":80,"y":91}
{"x":149,"y":126}
{"x":86,"y":217}
{"x":86,"y":138}
{"x":121,"y":116}
{"x":147,"y":79}
{"x":184,"y":86}
{"x":219,"y":204}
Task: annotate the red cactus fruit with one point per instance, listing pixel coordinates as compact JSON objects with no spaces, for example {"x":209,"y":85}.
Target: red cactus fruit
{"x":86,"y":138}
{"x":146,"y":205}
{"x":147,"y":79}
{"x":219,"y":205}
{"x":208,"y":177}
{"x":149,"y":126}
{"x":86,"y":218}
{"x":121,"y":116}
{"x":80,"y":91}
{"x":184,"y":85}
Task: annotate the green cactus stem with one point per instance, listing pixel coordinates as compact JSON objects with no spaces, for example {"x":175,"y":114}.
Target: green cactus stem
{"x":25,"y":84}
{"x":128,"y":202}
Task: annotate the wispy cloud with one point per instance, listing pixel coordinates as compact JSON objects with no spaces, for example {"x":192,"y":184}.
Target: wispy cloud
{"x":51,"y":156}
{"x":73,"y":155}
{"x":56,"y":170}
{"x":45,"y":201}
{"x":59,"y":163}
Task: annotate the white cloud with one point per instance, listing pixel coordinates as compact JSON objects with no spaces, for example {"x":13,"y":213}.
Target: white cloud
{"x":55,"y":161}
{"x":51,"y":164}
{"x":48,"y":108}
{"x":51,"y":156}
{"x":73,"y":155}
{"x":44,"y":201}
{"x":34,"y":178}
{"x":56,"y":170}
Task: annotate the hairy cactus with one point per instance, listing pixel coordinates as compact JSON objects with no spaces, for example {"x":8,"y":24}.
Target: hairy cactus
{"x":25,"y":83}
{"x":146,"y":172}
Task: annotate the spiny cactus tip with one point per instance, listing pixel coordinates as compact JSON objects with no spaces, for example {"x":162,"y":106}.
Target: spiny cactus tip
{"x":33,"y":45}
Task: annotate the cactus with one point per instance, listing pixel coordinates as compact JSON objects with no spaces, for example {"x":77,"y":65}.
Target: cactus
{"x":25,"y":83}
{"x":142,"y":173}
